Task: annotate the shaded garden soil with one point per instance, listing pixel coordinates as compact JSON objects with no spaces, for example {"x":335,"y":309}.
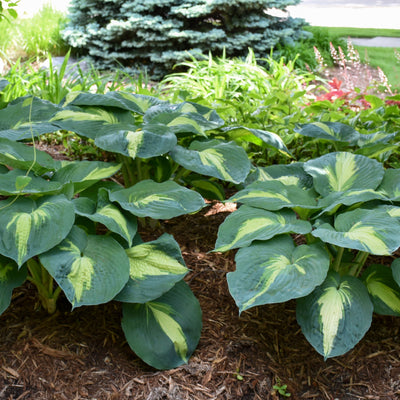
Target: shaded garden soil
{"x":83,"y":354}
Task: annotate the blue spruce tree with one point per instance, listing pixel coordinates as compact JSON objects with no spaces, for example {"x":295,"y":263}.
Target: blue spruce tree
{"x":156,"y":34}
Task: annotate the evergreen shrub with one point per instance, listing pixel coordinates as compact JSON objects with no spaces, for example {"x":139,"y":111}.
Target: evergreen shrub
{"x":157,"y":34}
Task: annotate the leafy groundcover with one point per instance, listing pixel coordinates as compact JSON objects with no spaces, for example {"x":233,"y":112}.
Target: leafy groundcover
{"x":83,"y":354}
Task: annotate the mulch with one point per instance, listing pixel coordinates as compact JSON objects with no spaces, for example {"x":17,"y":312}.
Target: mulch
{"x":83,"y":354}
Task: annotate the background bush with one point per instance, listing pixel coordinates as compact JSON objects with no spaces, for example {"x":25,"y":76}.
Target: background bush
{"x":157,"y":34}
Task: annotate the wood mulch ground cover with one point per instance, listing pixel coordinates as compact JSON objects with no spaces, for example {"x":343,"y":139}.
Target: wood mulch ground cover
{"x":83,"y":354}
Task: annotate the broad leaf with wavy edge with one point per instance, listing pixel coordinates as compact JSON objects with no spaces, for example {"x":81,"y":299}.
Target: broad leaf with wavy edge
{"x":336,"y":315}
{"x":335,"y":131}
{"x":84,"y":174}
{"x":158,"y":200}
{"x":151,"y":140}
{"x":19,"y":155}
{"x":276,"y":271}
{"x":225,"y":161}
{"x":270,"y":139}
{"x":248,"y":224}
{"x":184,"y":118}
{"x":123,"y":100}
{"x":10,"y":184}
{"x":390,"y":185}
{"x":29,"y":227}
{"x":155,"y":267}
{"x":90,"y":269}
{"x":10,"y":278}
{"x":373,"y":231}
{"x":383,"y":289}
{"x":164,"y":332}
{"x":274,"y":195}
{"x":341,"y":171}
{"x":26,"y":117}
{"x":110,"y":215}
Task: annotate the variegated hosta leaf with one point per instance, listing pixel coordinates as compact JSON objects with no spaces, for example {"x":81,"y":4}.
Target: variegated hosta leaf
{"x":84,"y":173}
{"x":10,"y":278}
{"x":396,"y":270}
{"x":390,"y":185}
{"x":269,"y":138}
{"x":336,"y":315}
{"x":126,"y":101}
{"x":27,"y":117}
{"x":19,"y":155}
{"x":90,"y":269}
{"x":248,"y":224}
{"x":383,"y":289}
{"x":108,"y":214}
{"x":17,"y":182}
{"x":29,"y":227}
{"x":348,"y":198}
{"x":373,"y":231}
{"x":155,"y":267}
{"x":158,"y":200}
{"x":339,"y":172}
{"x":92,"y":121}
{"x":208,"y":189}
{"x":335,"y":131}
{"x":184,"y":118}
{"x":226,"y":161}
{"x":276,"y":271}
{"x":150,"y":141}
{"x":164,"y":332}
{"x":290,"y":174}
{"x":274,"y":195}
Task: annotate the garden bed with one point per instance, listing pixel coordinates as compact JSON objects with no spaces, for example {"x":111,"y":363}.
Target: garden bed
{"x":83,"y":354}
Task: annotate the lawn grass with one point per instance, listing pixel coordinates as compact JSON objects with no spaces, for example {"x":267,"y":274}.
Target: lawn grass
{"x":362,"y":32}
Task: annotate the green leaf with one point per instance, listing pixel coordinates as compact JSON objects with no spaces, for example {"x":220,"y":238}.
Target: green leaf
{"x":150,"y":141}
{"x":27,"y":117}
{"x":158,"y":200}
{"x":336,"y":315}
{"x":126,"y":101}
{"x":373,"y":231}
{"x":10,"y":278}
{"x":184,"y":118}
{"x":19,"y":155}
{"x":84,"y":173}
{"x":276,"y":271}
{"x":16,"y":182}
{"x":274,"y":195}
{"x":390,"y":185}
{"x":339,"y":172}
{"x":396,"y":270}
{"x":164,"y":332}
{"x":90,"y":269}
{"x":155,"y":267}
{"x":226,"y":161}
{"x":208,"y":189}
{"x":29,"y":227}
{"x":335,"y":131}
{"x":108,"y":214}
{"x":383,"y":289}
{"x":248,"y":224}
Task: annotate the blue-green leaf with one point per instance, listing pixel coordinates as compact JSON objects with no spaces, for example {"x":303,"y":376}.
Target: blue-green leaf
{"x":383,"y":289}
{"x":248,"y":224}
{"x":29,"y":227}
{"x":164,"y":332}
{"x":276,"y":271}
{"x":155,"y":267}
{"x":335,"y":131}
{"x":158,"y":200}
{"x":90,"y":269}
{"x":336,"y":315}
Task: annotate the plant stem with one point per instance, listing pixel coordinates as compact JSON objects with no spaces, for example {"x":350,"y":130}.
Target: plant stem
{"x":359,"y":262}
{"x":338,"y":259}
{"x":45,"y":285}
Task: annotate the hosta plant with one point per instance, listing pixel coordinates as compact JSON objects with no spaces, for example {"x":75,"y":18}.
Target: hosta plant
{"x":306,"y":231}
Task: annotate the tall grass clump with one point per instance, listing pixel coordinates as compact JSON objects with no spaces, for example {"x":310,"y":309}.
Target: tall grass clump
{"x":35,"y":37}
